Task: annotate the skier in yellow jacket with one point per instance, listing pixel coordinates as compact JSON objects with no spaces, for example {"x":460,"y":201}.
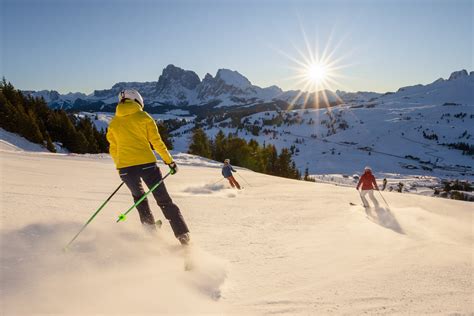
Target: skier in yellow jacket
{"x":131,"y":134}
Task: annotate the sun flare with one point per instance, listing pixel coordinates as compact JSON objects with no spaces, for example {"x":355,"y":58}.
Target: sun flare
{"x":317,"y":73}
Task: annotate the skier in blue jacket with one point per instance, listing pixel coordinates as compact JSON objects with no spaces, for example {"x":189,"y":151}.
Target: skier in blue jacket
{"x":227,"y":173}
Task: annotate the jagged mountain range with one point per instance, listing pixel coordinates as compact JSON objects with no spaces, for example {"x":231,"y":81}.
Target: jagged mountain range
{"x":181,"y":88}
{"x":177,"y":87}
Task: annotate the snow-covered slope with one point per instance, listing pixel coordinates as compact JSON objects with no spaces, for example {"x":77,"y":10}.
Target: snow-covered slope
{"x":458,"y":89}
{"x":13,"y":142}
{"x":277,"y":247}
{"x":406,"y":132}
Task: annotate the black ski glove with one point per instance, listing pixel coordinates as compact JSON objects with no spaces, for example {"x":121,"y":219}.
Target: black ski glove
{"x":173,"y":167}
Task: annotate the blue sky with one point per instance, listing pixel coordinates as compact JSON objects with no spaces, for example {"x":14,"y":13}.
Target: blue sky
{"x":85,"y":45}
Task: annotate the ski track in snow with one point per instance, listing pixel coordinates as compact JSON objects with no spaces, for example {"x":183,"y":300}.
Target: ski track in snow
{"x":278,"y":247}
{"x":213,"y":188}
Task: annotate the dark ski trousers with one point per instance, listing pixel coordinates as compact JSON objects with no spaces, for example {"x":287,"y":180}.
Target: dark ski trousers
{"x":151,"y":175}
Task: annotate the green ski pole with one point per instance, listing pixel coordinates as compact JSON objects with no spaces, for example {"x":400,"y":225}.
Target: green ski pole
{"x":93,"y":215}
{"x":123,"y":216}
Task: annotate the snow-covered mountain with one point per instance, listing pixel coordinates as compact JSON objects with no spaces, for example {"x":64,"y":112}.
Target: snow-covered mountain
{"x":412,"y":131}
{"x":179,"y":87}
{"x":56,"y":99}
{"x":417,"y":130}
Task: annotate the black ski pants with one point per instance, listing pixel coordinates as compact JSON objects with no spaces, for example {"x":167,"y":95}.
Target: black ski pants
{"x":151,"y":175}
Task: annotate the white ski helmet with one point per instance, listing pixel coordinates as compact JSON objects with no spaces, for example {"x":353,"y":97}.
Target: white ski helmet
{"x":367,"y":168}
{"x":131,"y":94}
{"x":227,"y":161}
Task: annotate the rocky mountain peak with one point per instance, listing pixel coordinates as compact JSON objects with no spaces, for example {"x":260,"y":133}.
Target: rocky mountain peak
{"x":458,"y":74}
{"x":173,"y":75}
{"x":233,"y":78}
{"x":208,"y":77}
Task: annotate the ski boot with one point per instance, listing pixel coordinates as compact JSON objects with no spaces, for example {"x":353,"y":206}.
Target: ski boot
{"x":184,"y":239}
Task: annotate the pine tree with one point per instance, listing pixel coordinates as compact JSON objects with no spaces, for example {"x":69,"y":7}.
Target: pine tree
{"x":237,"y":151}
{"x":200,"y":144}
{"x":255,"y":160}
{"x":219,"y":149}
{"x":102,"y":142}
{"x":49,"y":144}
{"x":86,"y":127}
{"x":284,"y":164}
{"x":164,"y":133}
{"x":306,"y":174}
{"x":30,"y":128}
{"x":270,"y":158}
{"x":7,"y":114}
{"x":295,"y":173}
{"x":33,"y":119}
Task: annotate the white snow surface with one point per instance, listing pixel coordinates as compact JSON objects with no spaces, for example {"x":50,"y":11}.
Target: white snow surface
{"x":12,"y":142}
{"x":278,"y":246}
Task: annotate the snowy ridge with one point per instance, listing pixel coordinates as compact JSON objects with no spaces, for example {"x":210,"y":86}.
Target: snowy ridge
{"x":457,"y":89}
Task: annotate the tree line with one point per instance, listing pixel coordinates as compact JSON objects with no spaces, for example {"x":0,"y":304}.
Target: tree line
{"x":467,"y":149}
{"x":248,"y":154}
{"x":34,"y":120}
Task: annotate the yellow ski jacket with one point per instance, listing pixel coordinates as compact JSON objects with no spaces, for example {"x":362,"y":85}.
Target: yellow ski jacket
{"x":130,"y":134}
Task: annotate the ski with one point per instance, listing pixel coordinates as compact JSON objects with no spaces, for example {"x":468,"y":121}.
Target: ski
{"x":353,"y":204}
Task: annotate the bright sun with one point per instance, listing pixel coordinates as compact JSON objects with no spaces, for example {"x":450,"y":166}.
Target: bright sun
{"x":317,"y":73}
